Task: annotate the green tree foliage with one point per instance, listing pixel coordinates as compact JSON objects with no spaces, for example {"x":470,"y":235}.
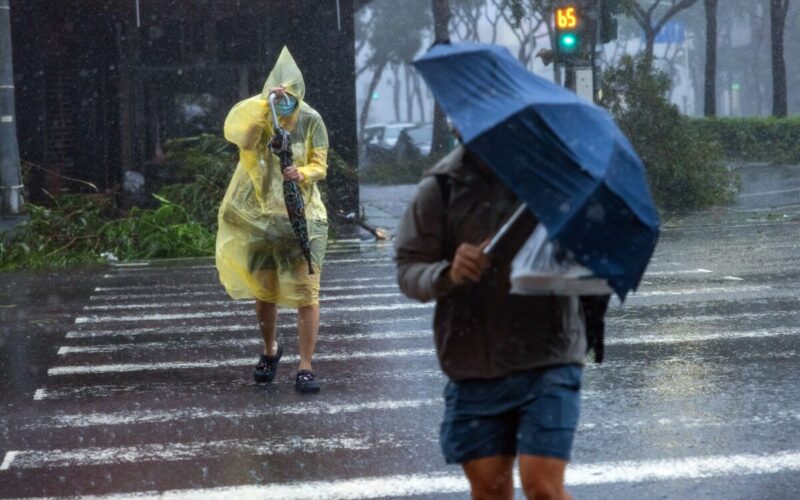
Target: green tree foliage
{"x":83,"y":229}
{"x":758,"y":139}
{"x":196,"y":173}
{"x":684,"y":168}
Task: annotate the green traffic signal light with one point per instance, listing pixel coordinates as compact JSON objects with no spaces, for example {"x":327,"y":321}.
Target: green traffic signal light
{"x":568,"y":42}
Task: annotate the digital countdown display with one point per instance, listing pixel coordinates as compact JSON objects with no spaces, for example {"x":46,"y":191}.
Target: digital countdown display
{"x":567,"y":18}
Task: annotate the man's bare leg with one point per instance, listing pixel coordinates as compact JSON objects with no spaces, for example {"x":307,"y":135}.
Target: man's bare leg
{"x":543,"y":477}
{"x":307,"y":329}
{"x":267,"y":313}
{"x":491,"y":478}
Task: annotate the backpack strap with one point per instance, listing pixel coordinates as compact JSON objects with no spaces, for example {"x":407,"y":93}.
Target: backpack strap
{"x":445,"y":187}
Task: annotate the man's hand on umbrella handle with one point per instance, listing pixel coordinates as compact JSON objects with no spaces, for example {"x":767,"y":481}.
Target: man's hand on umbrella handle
{"x":292,"y":174}
{"x":469,"y":263}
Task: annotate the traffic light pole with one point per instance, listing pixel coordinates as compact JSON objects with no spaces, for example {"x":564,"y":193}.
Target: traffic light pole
{"x":11,"y":188}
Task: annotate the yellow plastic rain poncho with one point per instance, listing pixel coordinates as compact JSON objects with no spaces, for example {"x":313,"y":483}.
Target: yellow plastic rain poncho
{"x":257,"y":252}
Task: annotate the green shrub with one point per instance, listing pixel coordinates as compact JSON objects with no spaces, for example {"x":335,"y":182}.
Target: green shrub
{"x":774,"y":140}
{"x":168,"y":231}
{"x":195,"y":175}
{"x":683,"y":164}
{"x":84,"y":229}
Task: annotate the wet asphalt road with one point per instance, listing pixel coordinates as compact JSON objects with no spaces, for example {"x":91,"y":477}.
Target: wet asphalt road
{"x":136,"y":379}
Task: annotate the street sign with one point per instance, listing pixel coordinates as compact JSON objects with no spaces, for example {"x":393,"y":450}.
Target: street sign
{"x":672,"y":32}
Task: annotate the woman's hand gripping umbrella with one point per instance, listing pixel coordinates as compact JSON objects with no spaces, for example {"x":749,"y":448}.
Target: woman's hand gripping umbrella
{"x":281,"y":145}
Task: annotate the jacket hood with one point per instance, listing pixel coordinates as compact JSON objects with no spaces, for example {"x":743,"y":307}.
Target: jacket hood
{"x":286,"y":74}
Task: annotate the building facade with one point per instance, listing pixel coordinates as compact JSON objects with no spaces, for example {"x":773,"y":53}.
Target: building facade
{"x":102,"y":84}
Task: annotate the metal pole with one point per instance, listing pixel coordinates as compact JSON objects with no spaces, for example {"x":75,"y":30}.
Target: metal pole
{"x":10,"y":176}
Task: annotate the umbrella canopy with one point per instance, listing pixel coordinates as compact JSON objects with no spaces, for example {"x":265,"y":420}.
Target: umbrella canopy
{"x":563,"y":156}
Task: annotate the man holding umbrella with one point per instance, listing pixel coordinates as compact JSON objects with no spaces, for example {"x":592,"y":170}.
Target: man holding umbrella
{"x":514,"y":362}
{"x":260,"y":253}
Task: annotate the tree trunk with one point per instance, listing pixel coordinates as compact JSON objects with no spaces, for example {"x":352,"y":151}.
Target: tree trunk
{"x":778,"y":9}
{"x":649,"y":47}
{"x":420,"y":100}
{"x":710,"y":89}
{"x":373,"y":84}
{"x":441,"y":18}
{"x":409,"y":93}
{"x":396,"y":92}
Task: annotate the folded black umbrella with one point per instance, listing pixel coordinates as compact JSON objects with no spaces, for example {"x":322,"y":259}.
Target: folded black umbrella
{"x":281,"y":145}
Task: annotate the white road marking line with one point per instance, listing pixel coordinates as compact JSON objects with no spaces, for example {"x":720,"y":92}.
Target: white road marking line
{"x":8,"y":459}
{"x":188,"y":365}
{"x":134,"y":417}
{"x":110,"y":297}
{"x":188,"y":286}
{"x":428,"y":484}
{"x":393,"y":284}
{"x":703,"y":337}
{"x":149,"y":388}
{"x":683,"y":271}
{"x":732,"y":278}
{"x":655,"y":338}
{"x":197,"y":344}
{"x":175,"y":452}
{"x":701,"y":318}
{"x":200,"y":413}
{"x":354,"y":250}
{"x":699,"y":291}
{"x":229,"y":303}
{"x":683,"y":468}
{"x":358,"y":261}
{"x":143,"y":268}
{"x":155,"y":287}
{"x":220,"y":329}
{"x":244,"y":312}
{"x":124,"y":275}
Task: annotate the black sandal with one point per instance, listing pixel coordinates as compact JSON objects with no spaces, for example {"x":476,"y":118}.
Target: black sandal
{"x":306,"y":382}
{"x":267,"y":366}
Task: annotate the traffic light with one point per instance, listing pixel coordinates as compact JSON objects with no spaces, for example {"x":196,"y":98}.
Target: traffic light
{"x":569,"y":26}
{"x":608,"y":23}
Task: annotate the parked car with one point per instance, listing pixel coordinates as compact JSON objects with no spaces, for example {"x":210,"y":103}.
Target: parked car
{"x":419,"y":137}
{"x":379,"y":142}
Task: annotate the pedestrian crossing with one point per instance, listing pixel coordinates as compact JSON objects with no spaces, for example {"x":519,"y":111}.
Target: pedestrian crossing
{"x":150,"y":392}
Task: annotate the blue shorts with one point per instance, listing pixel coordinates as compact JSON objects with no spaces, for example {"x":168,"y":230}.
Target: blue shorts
{"x":534,"y":412}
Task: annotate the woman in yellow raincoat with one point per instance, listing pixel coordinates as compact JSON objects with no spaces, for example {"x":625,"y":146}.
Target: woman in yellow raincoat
{"x":257,"y":252}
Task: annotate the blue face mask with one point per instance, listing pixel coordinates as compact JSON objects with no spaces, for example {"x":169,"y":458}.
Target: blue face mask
{"x":285,"y":106}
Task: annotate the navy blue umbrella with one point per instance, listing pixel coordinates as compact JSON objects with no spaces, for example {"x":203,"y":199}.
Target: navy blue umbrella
{"x":563,"y":156}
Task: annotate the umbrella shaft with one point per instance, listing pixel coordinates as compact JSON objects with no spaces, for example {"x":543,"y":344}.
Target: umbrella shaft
{"x":503,"y":231}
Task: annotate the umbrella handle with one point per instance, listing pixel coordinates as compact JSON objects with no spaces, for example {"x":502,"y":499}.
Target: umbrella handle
{"x":501,"y":233}
{"x":271,"y":100}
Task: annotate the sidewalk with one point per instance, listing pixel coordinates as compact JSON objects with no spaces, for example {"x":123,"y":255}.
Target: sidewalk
{"x":384,"y":206}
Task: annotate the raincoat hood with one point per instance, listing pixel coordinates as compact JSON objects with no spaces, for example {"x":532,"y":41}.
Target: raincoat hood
{"x":286,"y":74}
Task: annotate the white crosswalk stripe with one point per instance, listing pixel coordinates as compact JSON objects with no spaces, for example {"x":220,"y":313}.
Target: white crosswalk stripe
{"x":138,"y":344}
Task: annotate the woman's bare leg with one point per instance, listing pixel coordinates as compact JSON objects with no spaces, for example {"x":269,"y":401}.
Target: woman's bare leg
{"x":307,"y":329}
{"x":267,"y":313}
